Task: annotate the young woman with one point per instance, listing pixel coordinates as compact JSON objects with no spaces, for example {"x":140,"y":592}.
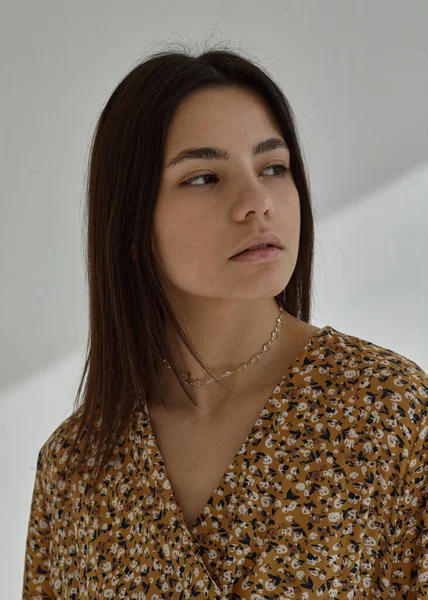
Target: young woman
{"x":296,"y":469}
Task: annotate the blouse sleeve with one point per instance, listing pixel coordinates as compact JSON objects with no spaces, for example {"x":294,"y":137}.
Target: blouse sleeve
{"x":36,"y":580}
{"x":406,"y":577}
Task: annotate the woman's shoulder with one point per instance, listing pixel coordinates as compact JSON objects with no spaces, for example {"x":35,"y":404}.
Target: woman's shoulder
{"x":383,"y":383}
{"x":56,"y":446}
{"x":368,"y":357}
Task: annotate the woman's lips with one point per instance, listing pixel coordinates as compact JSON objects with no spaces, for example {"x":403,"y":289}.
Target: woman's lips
{"x":258,"y":255}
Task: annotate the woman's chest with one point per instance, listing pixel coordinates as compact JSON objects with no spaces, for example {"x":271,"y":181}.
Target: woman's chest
{"x":197,"y":456}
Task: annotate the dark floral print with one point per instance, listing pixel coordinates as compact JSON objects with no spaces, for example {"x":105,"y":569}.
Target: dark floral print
{"x":326,"y":498}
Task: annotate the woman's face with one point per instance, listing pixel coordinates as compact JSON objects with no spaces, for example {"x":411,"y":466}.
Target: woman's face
{"x":199,"y":225}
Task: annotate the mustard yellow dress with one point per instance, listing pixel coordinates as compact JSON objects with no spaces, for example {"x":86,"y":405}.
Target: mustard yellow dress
{"x":326,"y":498}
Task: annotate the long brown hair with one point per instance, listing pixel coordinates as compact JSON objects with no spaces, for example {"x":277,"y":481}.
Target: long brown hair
{"x":127,"y":303}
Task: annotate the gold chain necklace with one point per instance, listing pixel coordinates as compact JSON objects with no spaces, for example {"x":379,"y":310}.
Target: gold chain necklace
{"x":255,"y":358}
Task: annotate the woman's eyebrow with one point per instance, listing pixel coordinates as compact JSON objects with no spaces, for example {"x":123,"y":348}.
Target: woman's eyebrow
{"x":272,"y":143}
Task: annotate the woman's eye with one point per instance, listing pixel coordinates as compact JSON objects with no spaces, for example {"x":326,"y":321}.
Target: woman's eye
{"x":282,"y":173}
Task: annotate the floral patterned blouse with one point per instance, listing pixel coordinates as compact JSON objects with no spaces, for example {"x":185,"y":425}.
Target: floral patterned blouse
{"x":326,"y":498}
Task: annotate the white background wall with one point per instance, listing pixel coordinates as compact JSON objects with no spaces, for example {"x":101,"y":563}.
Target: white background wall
{"x":356,"y":75}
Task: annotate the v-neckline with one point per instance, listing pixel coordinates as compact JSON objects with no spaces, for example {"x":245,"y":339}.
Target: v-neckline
{"x":158,"y":461}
